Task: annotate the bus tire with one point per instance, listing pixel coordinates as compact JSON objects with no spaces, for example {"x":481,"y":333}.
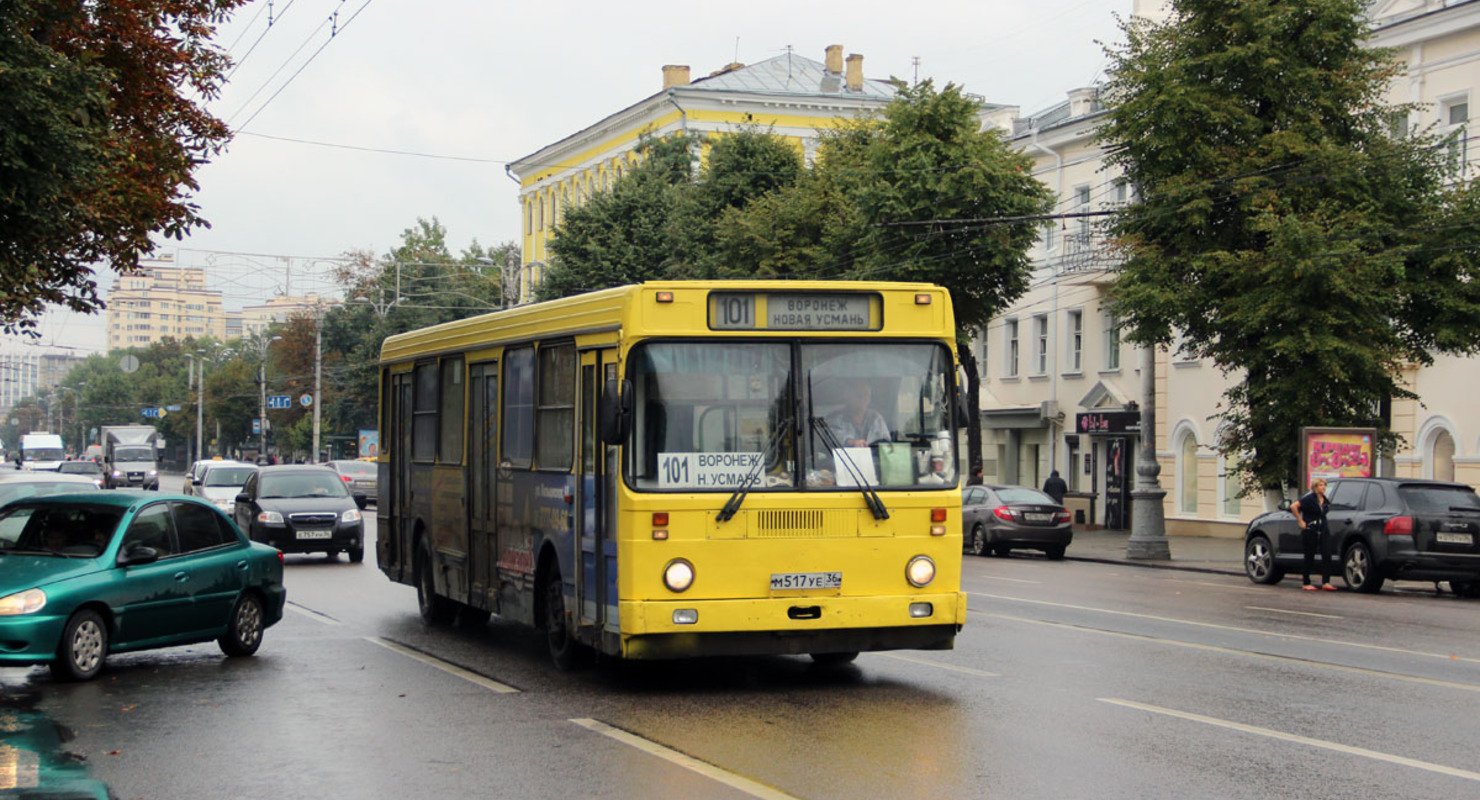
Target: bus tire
{"x":435,"y":609}
{"x":565,"y":651}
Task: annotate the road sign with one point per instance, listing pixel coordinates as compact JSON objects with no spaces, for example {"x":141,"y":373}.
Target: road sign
{"x":305,"y":400}
{"x":152,"y":412}
{"x":256,"y":425}
{"x":172,"y":408}
{"x":278,"y":401}
{"x":162,"y":412}
{"x":129,"y":363}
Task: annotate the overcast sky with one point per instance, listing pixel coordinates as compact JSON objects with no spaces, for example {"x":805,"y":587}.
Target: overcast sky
{"x":495,"y":81}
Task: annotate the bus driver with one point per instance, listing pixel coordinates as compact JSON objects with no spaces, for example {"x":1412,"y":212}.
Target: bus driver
{"x":855,"y":424}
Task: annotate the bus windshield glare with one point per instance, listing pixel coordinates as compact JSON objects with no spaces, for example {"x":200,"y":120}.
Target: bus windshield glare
{"x":708,"y":415}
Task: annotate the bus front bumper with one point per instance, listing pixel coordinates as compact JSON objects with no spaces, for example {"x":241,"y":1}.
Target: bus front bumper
{"x":791,"y":625}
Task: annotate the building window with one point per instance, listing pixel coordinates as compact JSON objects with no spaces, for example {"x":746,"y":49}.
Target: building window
{"x":1048,"y":236}
{"x":1075,"y":341}
{"x":1040,"y":349}
{"x":1122,"y":190}
{"x":1454,"y":118}
{"x":1230,"y":486}
{"x":1187,"y":474}
{"x":1441,"y":456}
{"x":1112,"y":342}
{"x":539,"y":210}
{"x":1010,"y":369}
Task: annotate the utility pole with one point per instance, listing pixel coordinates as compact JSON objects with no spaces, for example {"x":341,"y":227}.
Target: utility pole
{"x":318,"y":374}
{"x":200,"y":408}
{"x":262,"y":404}
{"x":1148,"y":517}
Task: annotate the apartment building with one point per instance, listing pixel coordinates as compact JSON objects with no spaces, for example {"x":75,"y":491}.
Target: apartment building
{"x":256,"y":319}
{"x":162,"y":301}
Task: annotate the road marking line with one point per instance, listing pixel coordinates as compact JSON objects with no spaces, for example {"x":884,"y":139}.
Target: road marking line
{"x":446,"y":666}
{"x":952,"y":667}
{"x":1296,"y":738}
{"x":1233,"y":628}
{"x":1242,"y":588}
{"x":1297,"y":613}
{"x":317,"y":616}
{"x":688,"y":762}
{"x":1213,"y":648}
{"x":1000,"y":578}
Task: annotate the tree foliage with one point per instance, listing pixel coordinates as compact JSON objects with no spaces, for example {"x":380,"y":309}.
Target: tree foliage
{"x":102,"y":126}
{"x":1280,"y":228}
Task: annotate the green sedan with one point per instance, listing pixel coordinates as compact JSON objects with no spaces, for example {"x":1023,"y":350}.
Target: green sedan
{"x":85,"y":575}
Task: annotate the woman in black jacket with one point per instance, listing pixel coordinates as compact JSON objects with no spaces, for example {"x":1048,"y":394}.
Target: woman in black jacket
{"x":1310,"y":515}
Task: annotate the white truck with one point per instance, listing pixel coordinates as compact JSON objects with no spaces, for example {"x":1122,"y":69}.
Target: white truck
{"x":41,"y":451}
{"x":131,"y":456}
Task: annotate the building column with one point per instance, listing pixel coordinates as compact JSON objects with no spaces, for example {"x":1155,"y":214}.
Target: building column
{"x":1148,"y":516}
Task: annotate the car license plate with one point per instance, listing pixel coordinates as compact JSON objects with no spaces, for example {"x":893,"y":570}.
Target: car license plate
{"x":1454,"y":538}
{"x":806,"y":580}
{"x":324,"y":534}
{"x":1038,"y":517}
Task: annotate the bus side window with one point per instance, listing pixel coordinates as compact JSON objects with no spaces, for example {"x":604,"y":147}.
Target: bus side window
{"x":424,"y":414}
{"x":518,"y":415}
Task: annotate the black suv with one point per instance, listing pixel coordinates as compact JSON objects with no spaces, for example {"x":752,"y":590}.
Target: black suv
{"x":1381,"y":528}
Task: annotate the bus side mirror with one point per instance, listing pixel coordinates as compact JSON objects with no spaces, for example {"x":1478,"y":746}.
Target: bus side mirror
{"x":614,"y":418}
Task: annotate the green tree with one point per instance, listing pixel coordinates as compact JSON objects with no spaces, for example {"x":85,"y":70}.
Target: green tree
{"x":1280,"y":228}
{"x":101,"y":130}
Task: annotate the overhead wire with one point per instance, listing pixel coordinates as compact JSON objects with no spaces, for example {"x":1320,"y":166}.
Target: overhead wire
{"x":333,"y":34}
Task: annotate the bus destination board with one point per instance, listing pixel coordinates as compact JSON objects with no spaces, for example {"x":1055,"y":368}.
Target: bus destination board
{"x":794,"y":312}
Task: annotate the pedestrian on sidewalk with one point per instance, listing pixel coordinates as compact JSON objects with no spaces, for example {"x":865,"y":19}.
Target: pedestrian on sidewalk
{"x":1310,"y":515}
{"x":1055,"y":487}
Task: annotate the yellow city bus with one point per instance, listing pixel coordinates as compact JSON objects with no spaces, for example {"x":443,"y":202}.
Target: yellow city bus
{"x":680,"y":469}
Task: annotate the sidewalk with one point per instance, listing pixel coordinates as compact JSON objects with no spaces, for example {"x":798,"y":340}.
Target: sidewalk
{"x":1191,"y":553}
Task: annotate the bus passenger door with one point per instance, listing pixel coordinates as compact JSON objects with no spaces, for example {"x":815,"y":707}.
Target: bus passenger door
{"x":482,"y":543}
{"x":596,"y":552}
{"x":398,"y":534}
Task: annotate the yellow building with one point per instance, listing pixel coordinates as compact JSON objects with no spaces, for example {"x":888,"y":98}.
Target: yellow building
{"x":1059,"y":384}
{"x":789,"y":94}
{"x":162,"y":301}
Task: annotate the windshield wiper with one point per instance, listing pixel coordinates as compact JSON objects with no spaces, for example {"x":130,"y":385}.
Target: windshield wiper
{"x":1471,"y":509}
{"x":732,"y":506}
{"x":32,"y":551}
{"x":870,"y":497}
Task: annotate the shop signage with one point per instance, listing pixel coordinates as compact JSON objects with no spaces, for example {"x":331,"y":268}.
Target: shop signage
{"x":1108,"y":422}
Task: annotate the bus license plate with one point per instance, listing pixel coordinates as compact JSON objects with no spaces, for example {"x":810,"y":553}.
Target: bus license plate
{"x":806,"y":580}
{"x":1455,"y":538}
{"x":325,"y":534}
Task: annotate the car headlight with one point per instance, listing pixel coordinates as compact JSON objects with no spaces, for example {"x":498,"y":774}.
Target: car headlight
{"x":28,"y":602}
{"x":678,"y":575}
{"x":270,"y":518}
{"x":350,"y":516}
{"x":117,"y":474}
{"x":153,"y":472}
{"x":920,"y":571}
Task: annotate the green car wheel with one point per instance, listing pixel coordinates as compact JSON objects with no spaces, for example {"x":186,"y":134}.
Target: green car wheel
{"x":244,"y":633}
{"x":83,"y":649}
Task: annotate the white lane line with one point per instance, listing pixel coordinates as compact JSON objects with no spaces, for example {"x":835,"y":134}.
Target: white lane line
{"x":1000,"y":578}
{"x":317,"y":616}
{"x":1296,"y":613}
{"x":1232,"y":628}
{"x":1242,"y":588}
{"x":1213,"y":648}
{"x":447,"y":667}
{"x":939,"y":665}
{"x":688,"y":762}
{"x":1297,"y":739}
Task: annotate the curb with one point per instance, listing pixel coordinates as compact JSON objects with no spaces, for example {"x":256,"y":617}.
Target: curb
{"x":1154,"y":565}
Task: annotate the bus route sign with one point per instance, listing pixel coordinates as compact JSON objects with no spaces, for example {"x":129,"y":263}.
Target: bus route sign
{"x":794,"y":311}
{"x":705,"y":470}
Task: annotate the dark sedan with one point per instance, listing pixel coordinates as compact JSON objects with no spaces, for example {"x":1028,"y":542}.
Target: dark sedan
{"x":1380,"y":529}
{"x":302,"y":509}
{"x":1000,"y":519}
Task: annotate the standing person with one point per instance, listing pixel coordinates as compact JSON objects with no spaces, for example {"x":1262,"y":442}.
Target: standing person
{"x":1310,"y":515}
{"x":976,"y":478}
{"x":1055,"y":487}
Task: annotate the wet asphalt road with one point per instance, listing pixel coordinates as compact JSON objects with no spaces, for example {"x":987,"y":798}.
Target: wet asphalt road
{"x":1070,"y":680}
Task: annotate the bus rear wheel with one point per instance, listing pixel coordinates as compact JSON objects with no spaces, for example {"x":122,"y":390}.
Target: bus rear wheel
{"x":435,"y":609}
{"x":565,"y":651}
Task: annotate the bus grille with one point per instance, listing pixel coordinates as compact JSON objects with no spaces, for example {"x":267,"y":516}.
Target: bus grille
{"x":804,"y":524}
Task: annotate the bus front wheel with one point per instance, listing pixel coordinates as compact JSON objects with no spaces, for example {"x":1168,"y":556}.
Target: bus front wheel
{"x":565,"y":651}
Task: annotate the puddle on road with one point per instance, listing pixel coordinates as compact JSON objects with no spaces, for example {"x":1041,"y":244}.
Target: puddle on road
{"x":33,"y":755}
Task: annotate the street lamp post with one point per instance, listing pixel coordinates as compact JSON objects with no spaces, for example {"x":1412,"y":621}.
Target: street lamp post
{"x":263,"y":344}
{"x":1148,"y":538}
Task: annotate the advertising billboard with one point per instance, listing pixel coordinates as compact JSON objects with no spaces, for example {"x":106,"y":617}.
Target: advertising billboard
{"x":1337,"y":453}
{"x":369,"y":443}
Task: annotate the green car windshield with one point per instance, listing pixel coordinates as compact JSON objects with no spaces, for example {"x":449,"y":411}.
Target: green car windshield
{"x":58,"y":530}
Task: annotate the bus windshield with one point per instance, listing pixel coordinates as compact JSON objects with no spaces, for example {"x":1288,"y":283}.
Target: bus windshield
{"x":709,"y":415}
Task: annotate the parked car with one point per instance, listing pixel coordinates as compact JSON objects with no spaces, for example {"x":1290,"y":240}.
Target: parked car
{"x":84,"y":575}
{"x":221,"y":481}
{"x":1000,"y":519}
{"x":17,"y":485}
{"x":92,"y":469}
{"x":300,"y":508}
{"x":359,"y":476}
{"x":1380,"y":529}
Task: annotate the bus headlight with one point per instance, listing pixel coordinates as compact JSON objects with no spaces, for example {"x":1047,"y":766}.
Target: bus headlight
{"x":678,"y":575}
{"x":920,"y":571}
